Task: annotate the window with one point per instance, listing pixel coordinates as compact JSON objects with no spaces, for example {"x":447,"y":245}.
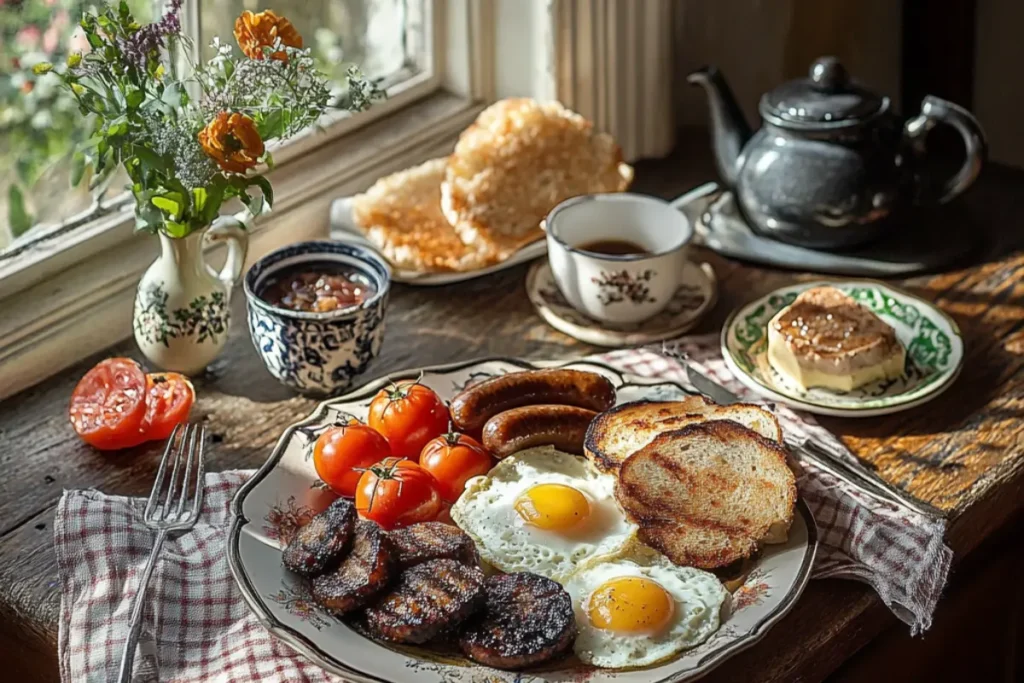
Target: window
{"x":40,"y":124}
{"x":69,"y":262}
{"x":68,"y":277}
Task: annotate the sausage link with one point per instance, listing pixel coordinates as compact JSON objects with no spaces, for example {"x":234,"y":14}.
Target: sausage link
{"x":476,"y":405}
{"x":563,"y":427}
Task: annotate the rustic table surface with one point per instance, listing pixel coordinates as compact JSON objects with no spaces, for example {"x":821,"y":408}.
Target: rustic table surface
{"x":963,"y":453}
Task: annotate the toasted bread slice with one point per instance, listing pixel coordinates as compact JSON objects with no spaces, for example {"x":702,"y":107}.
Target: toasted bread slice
{"x":706,"y":495}
{"x":401,"y":216}
{"x":515,"y":163}
{"x":618,"y":433}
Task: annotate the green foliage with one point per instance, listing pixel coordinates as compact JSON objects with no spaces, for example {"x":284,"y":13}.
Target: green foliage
{"x":19,"y":217}
{"x":143,"y":119}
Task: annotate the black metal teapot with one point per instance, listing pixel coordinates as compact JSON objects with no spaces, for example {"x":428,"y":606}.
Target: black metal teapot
{"x":832,"y":164}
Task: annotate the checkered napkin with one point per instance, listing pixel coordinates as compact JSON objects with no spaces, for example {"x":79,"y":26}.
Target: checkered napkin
{"x":198,"y":628}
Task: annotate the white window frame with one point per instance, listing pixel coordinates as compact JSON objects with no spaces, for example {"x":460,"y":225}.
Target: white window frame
{"x":63,"y":300}
{"x":43,"y":256}
{"x":66,"y":301}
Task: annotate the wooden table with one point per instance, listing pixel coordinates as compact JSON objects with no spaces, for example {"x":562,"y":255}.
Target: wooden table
{"x":964,"y":452}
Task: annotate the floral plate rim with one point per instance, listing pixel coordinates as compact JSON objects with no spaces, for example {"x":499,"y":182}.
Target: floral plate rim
{"x":332,"y":664}
{"x":853,"y":407}
{"x":594,"y":333}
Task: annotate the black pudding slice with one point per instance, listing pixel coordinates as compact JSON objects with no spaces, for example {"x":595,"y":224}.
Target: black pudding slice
{"x":322,"y":543}
{"x":361,"y":576}
{"x":426,"y":600}
{"x":419,"y":543}
{"x":528,"y":620}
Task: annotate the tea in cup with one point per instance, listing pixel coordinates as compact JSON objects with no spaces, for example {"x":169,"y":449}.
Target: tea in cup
{"x":619,"y":257}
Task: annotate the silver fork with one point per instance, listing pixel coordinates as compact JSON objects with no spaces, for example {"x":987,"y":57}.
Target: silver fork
{"x":171,"y":508}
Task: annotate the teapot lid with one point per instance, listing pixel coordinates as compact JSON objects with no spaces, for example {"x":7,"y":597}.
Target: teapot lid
{"x":826,"y":99}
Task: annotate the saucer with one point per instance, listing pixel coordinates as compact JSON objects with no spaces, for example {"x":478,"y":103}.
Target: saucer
{"x":695,"y":297}
{"x":935,"y":352}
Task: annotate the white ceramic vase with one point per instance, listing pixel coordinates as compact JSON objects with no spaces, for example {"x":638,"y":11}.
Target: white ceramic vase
{"x":182,"y":307}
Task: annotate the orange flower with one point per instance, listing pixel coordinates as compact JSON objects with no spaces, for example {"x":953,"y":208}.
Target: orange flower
{"x":232,"y":141}
{"x":257,"y":31}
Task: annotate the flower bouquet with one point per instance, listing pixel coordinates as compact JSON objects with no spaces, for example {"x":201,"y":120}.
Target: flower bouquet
{"x":192,"y":135}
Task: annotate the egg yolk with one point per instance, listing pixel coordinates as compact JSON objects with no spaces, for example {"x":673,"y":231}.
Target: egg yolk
{"x":630,"y":604}
{"x":552,"y":506}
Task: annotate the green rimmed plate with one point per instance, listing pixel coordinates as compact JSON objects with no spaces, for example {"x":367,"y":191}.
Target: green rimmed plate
{"x":935,"y":351}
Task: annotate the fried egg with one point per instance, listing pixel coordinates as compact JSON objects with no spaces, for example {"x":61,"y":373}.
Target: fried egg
{"x":635,"y":611}
{"x":543,"y":511}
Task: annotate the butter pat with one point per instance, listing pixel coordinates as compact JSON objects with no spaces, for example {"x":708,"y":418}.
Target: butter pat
{"x":826,"y":339}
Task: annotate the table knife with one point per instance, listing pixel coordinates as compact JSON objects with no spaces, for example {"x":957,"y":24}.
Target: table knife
{"x":852,"y":473}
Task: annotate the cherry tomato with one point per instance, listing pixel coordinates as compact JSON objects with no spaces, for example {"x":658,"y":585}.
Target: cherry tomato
{"x":169,"y":398}
{"x":342,"y":453}
{"x":453,"y":459}
{"x":409,"y":415}
{"x":397,"y":492}
{"x":109,"y":404}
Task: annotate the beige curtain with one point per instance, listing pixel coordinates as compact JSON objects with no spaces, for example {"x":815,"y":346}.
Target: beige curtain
{"x":613,"y":64}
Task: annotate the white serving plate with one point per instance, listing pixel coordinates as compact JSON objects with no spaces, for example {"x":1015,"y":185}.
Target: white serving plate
{"x":343,"y":228}
{"x":935,"y":351}
{"x":283,"y":492}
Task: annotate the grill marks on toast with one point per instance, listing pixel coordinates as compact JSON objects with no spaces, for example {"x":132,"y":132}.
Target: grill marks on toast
{"x":321,"y":543}
{"x":428,"y":599}
{"x":427,"y":541}
{"x":618,"y":433}
{"x":708,"y":494}
{"x":361,"y":576}
{"x":696,"y":543}
{"x":528,"y":620}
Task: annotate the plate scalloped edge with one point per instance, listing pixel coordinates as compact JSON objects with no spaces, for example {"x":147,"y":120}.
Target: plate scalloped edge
{"x":321,"y":658}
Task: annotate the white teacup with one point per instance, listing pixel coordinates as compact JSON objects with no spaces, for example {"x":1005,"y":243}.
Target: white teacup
{"x":618,"y":288}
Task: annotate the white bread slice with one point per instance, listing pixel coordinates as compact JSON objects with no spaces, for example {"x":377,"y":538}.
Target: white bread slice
{"x":708,"y":494}
{"x":515,"y":163}
{"x":618,"y":433}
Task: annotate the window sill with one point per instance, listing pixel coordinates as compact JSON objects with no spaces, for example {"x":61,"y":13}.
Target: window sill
{"x":86,"y":307}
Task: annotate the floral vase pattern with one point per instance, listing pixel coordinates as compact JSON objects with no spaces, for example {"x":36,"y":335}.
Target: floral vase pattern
{"x":182,"y":307}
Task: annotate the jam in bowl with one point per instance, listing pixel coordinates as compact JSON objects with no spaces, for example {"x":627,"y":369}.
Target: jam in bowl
{"x":316,"y":313}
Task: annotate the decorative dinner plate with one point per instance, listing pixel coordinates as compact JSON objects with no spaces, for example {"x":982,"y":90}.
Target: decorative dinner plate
{"x":935,"y":351}
{"x":284,"y":494}
{"x":695,"y":297}
{"x":343,"y":228}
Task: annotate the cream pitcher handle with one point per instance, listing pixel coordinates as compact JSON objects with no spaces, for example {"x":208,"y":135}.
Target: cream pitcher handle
{"x":229,"y":230}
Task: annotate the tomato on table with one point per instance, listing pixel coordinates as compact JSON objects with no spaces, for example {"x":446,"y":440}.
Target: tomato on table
{"x":453,"y":459}
{"x":409,"y":415}
{"x":342,"y":453}
{"x":397,"y":492}
{"x":109,"y":404}
{"x":169,"y":398}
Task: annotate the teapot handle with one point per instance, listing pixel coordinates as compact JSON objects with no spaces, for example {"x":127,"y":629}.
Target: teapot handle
{"x":935,"y":110}
{"x":230,"y":230}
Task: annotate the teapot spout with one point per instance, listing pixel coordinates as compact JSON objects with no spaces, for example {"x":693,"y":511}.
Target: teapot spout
{"x":729,"y":128}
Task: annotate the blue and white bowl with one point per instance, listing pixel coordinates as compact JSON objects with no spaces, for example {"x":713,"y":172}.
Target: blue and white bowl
{"x":318,"y":353}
